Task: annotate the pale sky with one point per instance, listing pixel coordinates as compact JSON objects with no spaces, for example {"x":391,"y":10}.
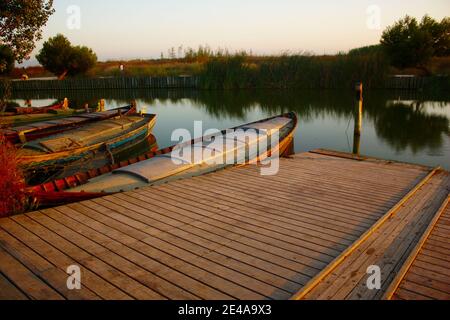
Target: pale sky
{"x":119,"y":29}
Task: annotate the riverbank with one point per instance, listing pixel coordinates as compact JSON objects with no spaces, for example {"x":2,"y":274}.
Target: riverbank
{"x":246,"y":71}
{"x":221,"y":81}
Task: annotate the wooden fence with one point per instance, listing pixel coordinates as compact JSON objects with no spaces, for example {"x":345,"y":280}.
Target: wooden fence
{"x":405,"y":82}
{"x":188,"y":82}
{"x":107,"y":83}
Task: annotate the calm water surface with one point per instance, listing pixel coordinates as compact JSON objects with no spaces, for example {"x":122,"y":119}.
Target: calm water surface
{"x":410,"y":127}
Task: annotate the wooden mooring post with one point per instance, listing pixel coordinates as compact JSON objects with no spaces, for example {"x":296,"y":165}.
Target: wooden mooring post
{"x":358,"y":118}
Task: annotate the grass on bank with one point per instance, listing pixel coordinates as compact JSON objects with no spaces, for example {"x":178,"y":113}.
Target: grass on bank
{"x":242,"y":70}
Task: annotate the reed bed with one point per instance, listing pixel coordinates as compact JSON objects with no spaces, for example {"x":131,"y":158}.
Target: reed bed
{"x":295,"y":71}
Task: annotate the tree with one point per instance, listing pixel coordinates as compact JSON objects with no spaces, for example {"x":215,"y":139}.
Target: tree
{"x":440,"y":33}
{"x":21,"y":22}
{"x":409,"y":43}
{"x":61,"y":58}
{"x":82,"y":59}
{"x":6,"y":59}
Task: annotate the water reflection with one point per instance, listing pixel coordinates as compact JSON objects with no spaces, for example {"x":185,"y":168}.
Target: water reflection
{"x":410,"y":126}
{"x":404,"y":126}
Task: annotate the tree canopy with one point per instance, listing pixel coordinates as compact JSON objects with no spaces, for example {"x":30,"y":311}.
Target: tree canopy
{"x":21,"y":22}
{"x":409,"y":43}
{"x":61,"y":58}
{"x":6,"y":59}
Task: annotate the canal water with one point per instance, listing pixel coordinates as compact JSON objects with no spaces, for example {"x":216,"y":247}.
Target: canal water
{"x":406,"y":126}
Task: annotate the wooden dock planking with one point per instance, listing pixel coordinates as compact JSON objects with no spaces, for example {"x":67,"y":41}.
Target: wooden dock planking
{"x":8,"y":291}
{"x":232,"y":234}
{"x":204,"y":247}
{"x":52,"y":275}
{"x":25,"y":279}
{"x":428,"y":275}
{"x":101,"y":287}
{"x":386,"y":247}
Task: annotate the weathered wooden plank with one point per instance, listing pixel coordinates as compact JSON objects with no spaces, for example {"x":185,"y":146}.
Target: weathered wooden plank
{"x":173,"y":258}
{"x":50,"y":274}
{"x":341,"y":282}
{"x":198,"y":266}
{"x":355,"y":248}
{"x":308,"y":252}
{"x":269,"y":194}
{"x":284,"y":209}
{"x":190,"y":203}
{"x":395,"y":255}
{"x":404,"y":294}
{"x":148,"y":239}
{"x":415,"y":269}
{"x":101,"y":287}
{"x":87,"y":257}
{"x":183,"y":239}
{"x":266,"y":214}
{"x":329,"y":183}
{"x":304,"y":233}
{"x":355,"y":196}
{"x":8,"y":291}
{"x":24,"y":279}
{"x":125,"y":246}
{"x":425,"y":291}
{"x":247,"y":246}
{"x":430,"y":283}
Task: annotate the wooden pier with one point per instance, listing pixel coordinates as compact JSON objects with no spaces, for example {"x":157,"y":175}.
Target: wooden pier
{"x":309,"y":232}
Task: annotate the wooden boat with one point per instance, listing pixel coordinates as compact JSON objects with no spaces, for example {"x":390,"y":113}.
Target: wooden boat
{"x":106,"y":137}
{"x":33,"y":110}
{"x":22,"y":119}
{"x":157,"y":167}
{"x":36,"y":130}
{"x":40,"y":175}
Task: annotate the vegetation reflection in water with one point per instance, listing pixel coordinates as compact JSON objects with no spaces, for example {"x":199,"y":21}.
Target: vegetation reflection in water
{"x":404,"y":126}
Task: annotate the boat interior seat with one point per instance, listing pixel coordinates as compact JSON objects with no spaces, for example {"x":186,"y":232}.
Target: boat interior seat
{"x":60,"y":144}
{"x":197,"y":153}
{"x":155,"y":168}
{"x":107,"y":127}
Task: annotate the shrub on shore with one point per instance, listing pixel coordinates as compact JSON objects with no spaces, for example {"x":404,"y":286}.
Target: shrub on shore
{"x":12,"y":184}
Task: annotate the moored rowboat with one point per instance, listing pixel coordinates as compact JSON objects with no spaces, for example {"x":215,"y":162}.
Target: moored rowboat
{"x":23,"y":119}
{"x":36,"y":130}
{"x":106,"y":136}
{"x":158,"y":167}
{"x":33,"y":110}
